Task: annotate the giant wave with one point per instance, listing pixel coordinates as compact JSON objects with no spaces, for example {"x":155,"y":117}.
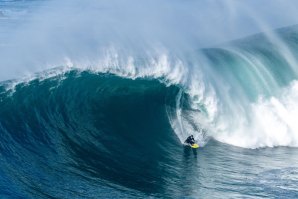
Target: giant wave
{"x":109,"y":116}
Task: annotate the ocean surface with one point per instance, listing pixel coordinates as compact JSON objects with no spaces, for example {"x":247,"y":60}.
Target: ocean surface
{"x":77,"y":121}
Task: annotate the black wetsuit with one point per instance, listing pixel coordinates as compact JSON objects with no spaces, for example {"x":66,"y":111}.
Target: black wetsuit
{"x":190,"y":140}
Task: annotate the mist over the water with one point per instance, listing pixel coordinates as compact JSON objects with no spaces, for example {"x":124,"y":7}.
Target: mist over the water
{"x":88,"y":33}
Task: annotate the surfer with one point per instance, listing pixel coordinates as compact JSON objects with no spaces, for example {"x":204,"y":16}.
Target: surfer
{"x":190,"y":140}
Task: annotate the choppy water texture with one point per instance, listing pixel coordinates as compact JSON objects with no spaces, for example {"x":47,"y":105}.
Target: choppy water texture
{"x":109,"y":122}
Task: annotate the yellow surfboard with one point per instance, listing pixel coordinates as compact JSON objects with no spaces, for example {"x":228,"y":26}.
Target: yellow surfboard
{"x":194,"y":146}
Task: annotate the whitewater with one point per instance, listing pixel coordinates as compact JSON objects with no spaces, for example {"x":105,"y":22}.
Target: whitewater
{"x":97,"y":98}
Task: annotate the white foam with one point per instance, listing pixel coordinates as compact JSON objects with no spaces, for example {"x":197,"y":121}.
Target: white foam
{"x":267,"y":123}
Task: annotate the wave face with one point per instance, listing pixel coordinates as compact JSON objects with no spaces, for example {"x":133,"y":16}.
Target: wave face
{"x":87,"y":125}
